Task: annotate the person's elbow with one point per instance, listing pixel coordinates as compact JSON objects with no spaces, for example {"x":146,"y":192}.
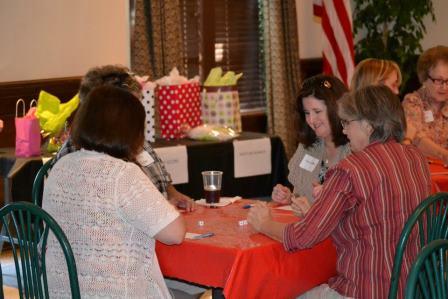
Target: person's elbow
{"x":173,"y":233}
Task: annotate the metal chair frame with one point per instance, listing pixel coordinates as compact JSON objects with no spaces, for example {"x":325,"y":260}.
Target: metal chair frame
{"x":431,"y":218}
{"x":38,"y":184}
{"x":428,"y":277}
{"x":30,"y":229}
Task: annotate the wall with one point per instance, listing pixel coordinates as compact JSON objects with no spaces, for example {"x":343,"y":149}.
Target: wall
{"x":310,"y":44}
{"x":61,"y":38}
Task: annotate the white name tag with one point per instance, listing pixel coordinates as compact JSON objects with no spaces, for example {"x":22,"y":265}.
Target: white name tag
{"x":175,"y":159}
{"x":429,"y":117}
{"x":309,"y":163}
{"x":144,"y":159}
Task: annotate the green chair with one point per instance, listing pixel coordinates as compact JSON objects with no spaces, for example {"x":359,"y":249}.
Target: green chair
{"x":428,"y":277}
{"x":432,"y":223}
{"x":42,"y":174}
{"x":28,"y":235}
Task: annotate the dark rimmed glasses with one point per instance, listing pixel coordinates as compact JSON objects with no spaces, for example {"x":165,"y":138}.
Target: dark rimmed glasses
{"x":438,"y":81}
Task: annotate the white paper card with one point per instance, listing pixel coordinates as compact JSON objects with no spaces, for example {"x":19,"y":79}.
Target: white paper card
{"x":252,"y":157}
{"x":175,"y":159}
{"x":429,"y":117}
{"x":309,"y":163}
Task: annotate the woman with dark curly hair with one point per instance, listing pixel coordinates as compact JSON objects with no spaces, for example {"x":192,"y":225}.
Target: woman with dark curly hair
{"x":321,"y":141}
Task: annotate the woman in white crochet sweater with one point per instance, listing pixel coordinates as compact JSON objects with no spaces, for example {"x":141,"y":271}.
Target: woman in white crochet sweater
{"x":109,"y":209}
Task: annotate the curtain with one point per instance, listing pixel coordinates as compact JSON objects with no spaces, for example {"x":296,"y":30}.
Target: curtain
{"x":156,"y":38}
{"x":281,"y":59}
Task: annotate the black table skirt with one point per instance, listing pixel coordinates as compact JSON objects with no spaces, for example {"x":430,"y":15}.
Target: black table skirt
{"x":219,"y":156}
{"x":18,"y":173}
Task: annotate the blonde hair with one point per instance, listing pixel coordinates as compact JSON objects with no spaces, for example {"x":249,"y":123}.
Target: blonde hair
{"x":372,"y":71}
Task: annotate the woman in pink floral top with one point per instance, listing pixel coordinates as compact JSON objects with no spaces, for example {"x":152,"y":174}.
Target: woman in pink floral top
{"x":427,"y":108}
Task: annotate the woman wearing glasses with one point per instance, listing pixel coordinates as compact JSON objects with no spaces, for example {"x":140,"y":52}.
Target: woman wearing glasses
{"x":364,"y":202}
{"x":321,"y":142}
{"x":427,"y":109}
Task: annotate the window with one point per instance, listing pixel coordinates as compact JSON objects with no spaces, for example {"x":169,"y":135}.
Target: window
{"x":226,"y":33}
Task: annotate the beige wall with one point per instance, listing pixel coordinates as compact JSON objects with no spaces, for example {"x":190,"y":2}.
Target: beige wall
{"x":61,"y":38}
{"x":310,"y":44}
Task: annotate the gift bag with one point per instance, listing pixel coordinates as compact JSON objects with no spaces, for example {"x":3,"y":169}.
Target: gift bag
{"x":27,"y":131}
{"x":179,"y":109}
{"x":148,"y":102}
{"x":220,"y":105}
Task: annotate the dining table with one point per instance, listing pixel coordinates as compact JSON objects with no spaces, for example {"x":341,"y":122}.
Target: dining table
{"x":230,"y":255}
{"x":439,"y":175}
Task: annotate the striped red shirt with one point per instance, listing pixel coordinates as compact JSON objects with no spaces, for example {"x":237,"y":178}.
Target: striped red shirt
{"x":364,"y":204}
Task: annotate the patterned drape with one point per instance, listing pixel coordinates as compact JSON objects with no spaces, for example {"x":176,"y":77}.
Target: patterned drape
{"x":279,"y":25}
{"x":156,"y":38}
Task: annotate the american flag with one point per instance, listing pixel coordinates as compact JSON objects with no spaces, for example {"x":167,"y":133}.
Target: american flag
{"x":338,"y":53}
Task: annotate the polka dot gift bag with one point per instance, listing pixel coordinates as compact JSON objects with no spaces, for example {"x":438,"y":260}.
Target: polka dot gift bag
{"x":179,"y":105}
{"x":148,"y":95}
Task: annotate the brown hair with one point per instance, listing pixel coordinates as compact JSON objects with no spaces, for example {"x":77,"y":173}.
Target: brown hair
{"x":429,"y":59}
{"x":112,"y":121}
{"x":112,"y":75}
{"x":380,"y":107}
{"x":327,"y":89}
{"x":372,"y":71}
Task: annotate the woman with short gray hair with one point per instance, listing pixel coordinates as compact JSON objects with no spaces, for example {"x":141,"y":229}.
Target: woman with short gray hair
{"x":364,"y":202}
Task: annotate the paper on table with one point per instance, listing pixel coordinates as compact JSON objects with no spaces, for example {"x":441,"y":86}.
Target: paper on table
{"x":175,"y":159}
{"x":223,"y":201}
{"x":252,"y":157}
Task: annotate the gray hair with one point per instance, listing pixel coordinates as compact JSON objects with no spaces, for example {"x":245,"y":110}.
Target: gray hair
{"x":377,"y":105}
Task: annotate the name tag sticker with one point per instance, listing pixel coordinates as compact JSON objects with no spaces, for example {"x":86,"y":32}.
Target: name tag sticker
{"x":309,"y":163}
{"x":429,"y":117}
{"x":144,"y":159}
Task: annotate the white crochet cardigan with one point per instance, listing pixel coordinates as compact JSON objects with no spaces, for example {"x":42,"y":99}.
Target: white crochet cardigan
{"x":110,"y":212}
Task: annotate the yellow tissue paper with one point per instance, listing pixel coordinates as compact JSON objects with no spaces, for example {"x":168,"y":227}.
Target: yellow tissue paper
{"x":52,"y":114}
{"x":215,"y":78}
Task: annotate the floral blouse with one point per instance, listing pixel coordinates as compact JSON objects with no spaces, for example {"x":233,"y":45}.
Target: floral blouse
{"x":424,"y":118}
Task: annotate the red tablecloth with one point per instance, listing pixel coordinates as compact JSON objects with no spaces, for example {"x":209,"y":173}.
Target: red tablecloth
{"x":439,"y":176}
{"x":244,"y":263}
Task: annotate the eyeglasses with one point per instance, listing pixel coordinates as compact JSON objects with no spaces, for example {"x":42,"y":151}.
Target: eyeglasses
{"x":437,"y":81}
{"x":345,"y":122}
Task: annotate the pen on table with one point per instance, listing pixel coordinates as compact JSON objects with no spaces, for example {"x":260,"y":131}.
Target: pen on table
{"x":247,"y":206}
{"x":206,"y":235}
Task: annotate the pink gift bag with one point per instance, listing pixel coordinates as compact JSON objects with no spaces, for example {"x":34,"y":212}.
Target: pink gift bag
{"x":27,"y":131}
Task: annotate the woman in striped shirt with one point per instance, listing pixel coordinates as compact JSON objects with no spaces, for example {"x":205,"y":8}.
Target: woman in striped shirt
{"x":364,"y":202}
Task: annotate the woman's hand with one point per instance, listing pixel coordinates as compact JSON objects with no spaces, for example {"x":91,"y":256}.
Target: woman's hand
{"x":281,"y":194}
{"x":180,"y":200}
{"x":259,"y":214}
{"x":300,"y":206}
{"x":317,"y":189}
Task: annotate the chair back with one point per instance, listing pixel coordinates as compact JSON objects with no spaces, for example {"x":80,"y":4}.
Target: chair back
{"x":428,"y":277}
{"x":430,"y":217}
{"x":38,"y":185}
{"x":28,"y":235}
